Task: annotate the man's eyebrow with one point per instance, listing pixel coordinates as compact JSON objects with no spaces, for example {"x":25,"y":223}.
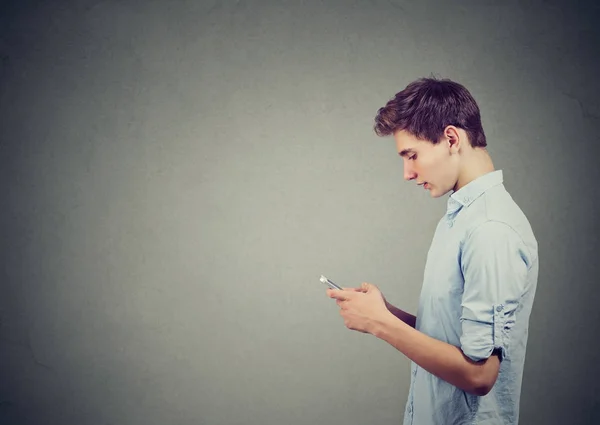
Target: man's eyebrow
{"x":405,"y":152}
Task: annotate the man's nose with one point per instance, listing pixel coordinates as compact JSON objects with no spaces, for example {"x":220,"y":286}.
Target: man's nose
{"x":409,"y":174}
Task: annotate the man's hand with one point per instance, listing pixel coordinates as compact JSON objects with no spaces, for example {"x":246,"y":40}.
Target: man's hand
{"x":361,"y":307}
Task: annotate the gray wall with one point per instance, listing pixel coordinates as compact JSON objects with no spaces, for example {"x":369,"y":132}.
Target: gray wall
{"x":177,"y":175}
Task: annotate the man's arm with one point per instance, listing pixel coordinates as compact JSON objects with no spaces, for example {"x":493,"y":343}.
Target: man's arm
{"x":494,"y":264}
{"x":443,"y":360}
{"x":407,"y":318}
{"x":365,"y":310}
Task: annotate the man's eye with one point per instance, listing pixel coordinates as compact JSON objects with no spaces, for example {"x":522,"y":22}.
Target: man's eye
{"x":413,"y":157}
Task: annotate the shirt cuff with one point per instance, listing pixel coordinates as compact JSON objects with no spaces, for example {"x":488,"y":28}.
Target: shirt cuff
{"x":487,"y":331}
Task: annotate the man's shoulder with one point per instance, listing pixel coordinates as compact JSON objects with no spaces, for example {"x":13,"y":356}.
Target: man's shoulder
{"x":498,"y":206}
{"x":495,"y":215}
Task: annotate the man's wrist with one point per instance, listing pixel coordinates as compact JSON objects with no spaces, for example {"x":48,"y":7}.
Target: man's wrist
{"x":381,"y":325}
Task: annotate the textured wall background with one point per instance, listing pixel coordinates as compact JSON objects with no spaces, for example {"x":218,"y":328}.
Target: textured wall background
{"x":177,"y":175}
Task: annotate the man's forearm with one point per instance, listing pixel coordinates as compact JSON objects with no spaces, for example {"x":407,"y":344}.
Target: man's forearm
{"x":439,"y":358}
{"x":407,"y":318}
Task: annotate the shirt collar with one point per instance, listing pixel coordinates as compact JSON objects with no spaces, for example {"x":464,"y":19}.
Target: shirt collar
{"x":471,"y":191}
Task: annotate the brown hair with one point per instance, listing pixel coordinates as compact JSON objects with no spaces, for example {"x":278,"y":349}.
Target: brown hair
{"x":426,"y":106}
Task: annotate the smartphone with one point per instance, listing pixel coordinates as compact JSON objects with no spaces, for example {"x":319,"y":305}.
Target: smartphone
{"x":329,"y":283}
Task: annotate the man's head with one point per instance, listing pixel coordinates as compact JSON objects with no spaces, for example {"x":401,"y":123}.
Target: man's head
{"x":436,"y":125}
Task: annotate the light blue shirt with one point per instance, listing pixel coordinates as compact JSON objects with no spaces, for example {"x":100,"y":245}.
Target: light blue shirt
{"x":478,"y":289}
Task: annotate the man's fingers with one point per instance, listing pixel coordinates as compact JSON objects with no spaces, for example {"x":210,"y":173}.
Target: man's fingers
{"x":365,"y":286}
{"x":359,"y":289}
{"x":339,"y":294}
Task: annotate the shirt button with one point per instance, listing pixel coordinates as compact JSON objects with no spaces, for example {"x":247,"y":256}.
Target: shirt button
{"x":499,"y":308}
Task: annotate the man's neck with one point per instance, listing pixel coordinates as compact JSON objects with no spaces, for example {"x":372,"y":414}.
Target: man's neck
{"x":475,"y":164}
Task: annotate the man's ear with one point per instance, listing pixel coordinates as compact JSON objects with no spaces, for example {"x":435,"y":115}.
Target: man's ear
{"x":453,"y":138}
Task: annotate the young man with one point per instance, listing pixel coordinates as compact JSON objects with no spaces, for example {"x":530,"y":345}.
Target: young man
{"x":467,"y":342}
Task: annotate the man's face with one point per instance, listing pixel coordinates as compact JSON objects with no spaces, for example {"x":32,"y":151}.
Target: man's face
{"x":431,"y":166}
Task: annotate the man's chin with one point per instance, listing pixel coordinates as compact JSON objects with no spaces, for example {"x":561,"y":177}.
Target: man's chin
{"x":435,"y":193}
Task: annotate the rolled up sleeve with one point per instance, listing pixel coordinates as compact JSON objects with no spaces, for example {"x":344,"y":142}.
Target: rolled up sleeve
{"x":494,"y":264}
